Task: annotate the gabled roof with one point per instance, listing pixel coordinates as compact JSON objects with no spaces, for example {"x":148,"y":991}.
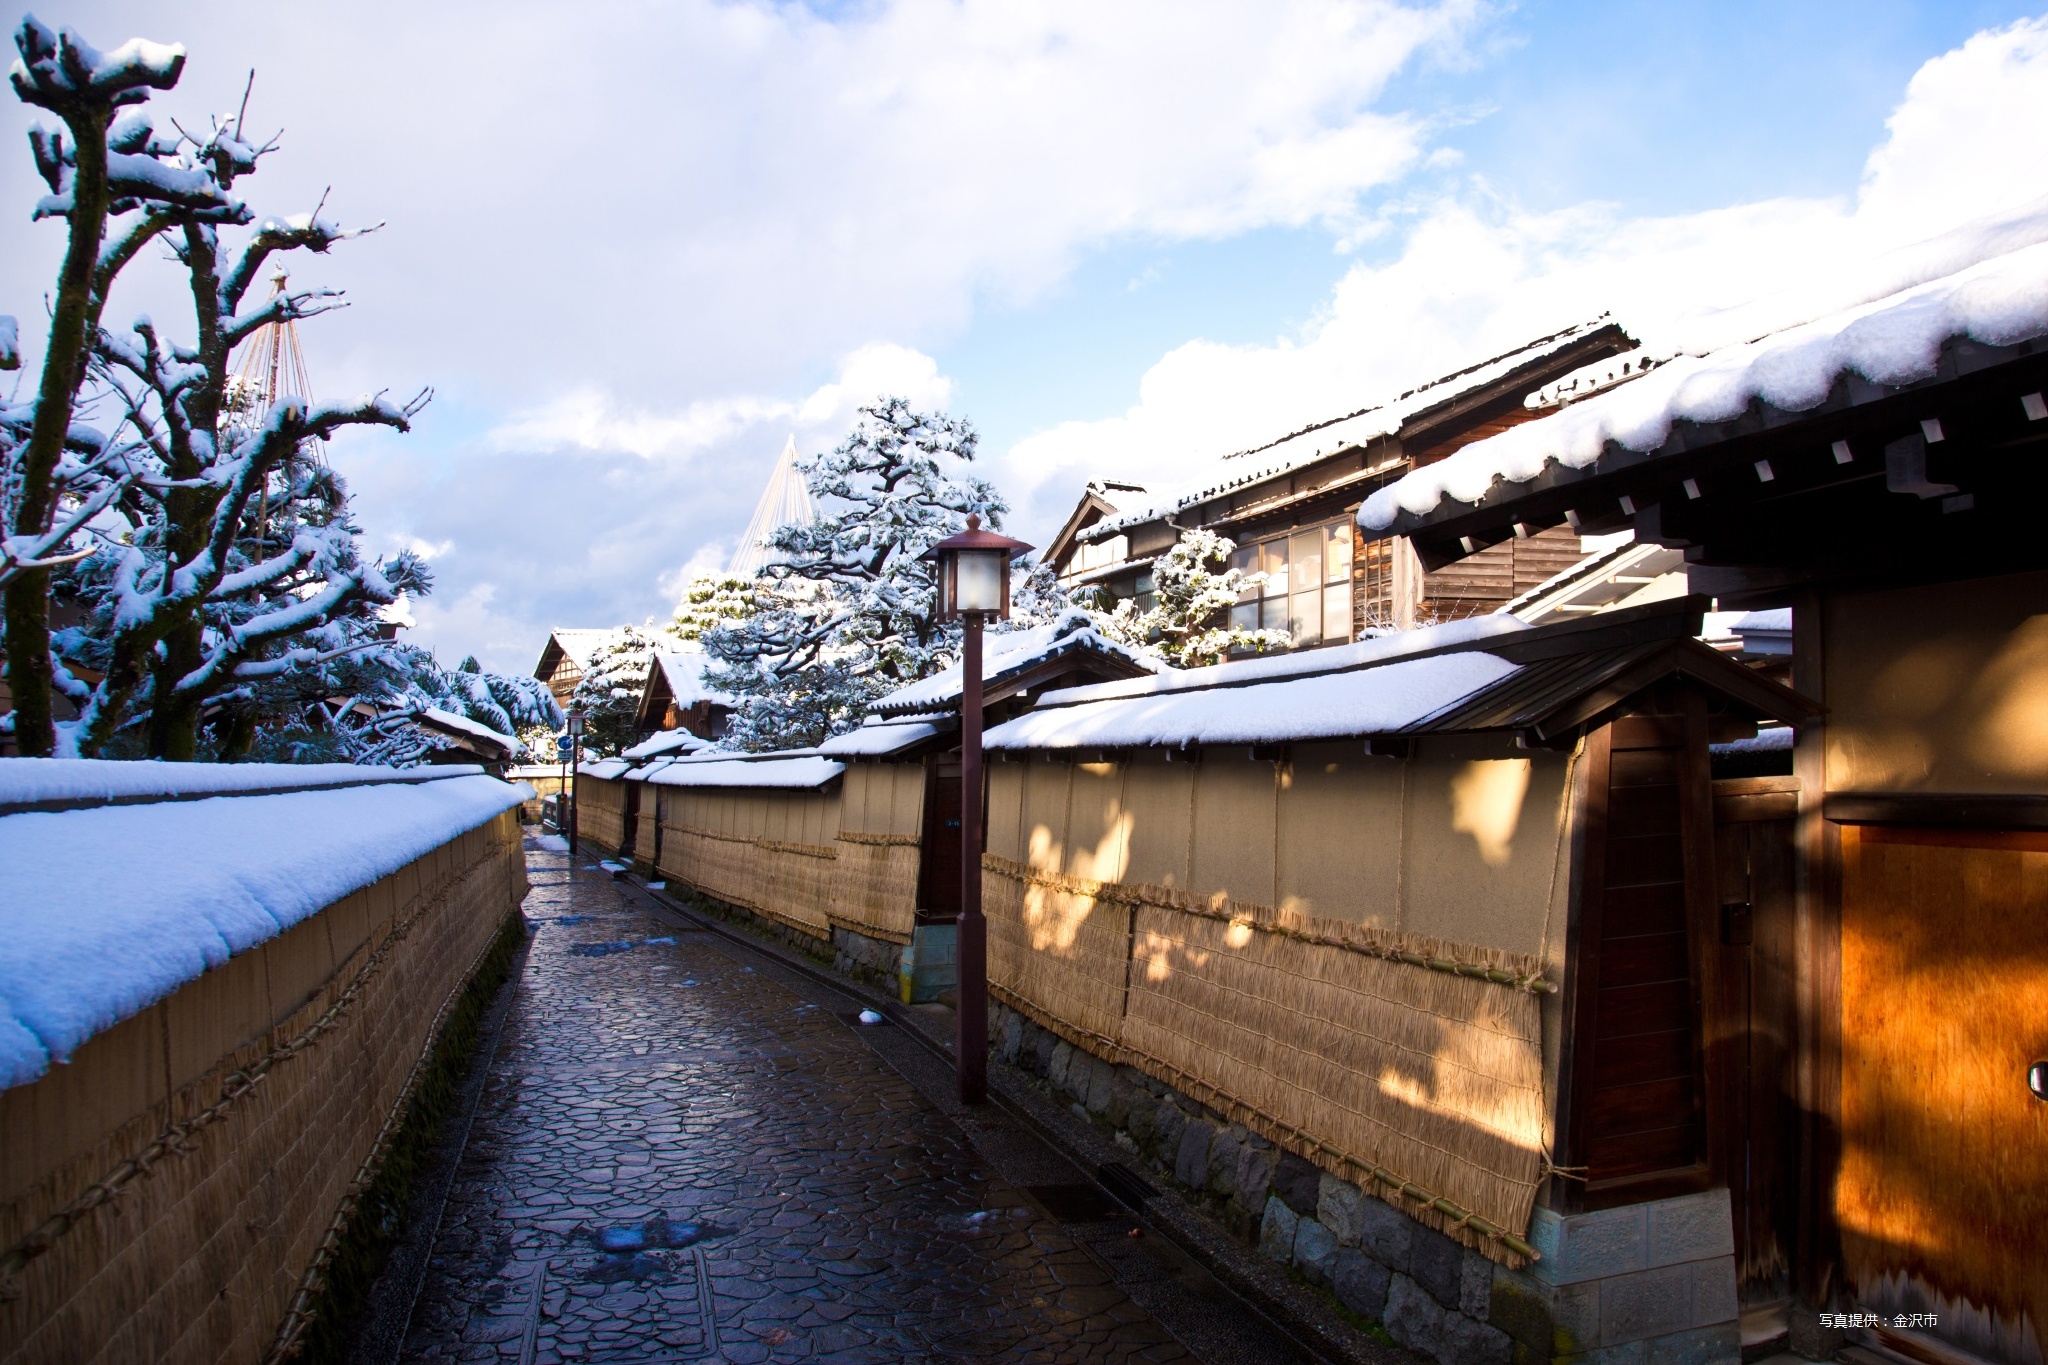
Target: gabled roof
{"x":578,"y":643}
{"x":1012,"y":659}
{"x":1542,"y":683}
{"x":665,"y":743}
{"x":682,"y":669}
{"x":1092,"y":508}
{"x":1988,"y":308}
{"x":477,"y":738}
{"x":1409,"y":414}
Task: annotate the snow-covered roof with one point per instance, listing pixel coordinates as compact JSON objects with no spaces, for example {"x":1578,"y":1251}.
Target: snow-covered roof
{"x":666,"y":742}
{"x":581,"y":643}
{"x":1769,"y":740}
{"x":104,"y":911}
{"x":878,"y":736}
{"x":65,"y":783}
{"x":1369,"y":701}
{"x":605,"y":769}
{"x":1764,"y":632}
{"x":1009,"y":652}
{"x":683,"y":669}
{"x":798,"y":770}
{"x":436,"y":718}
{"x":1269,"y":667}
{"x":1314,"y":442}
{"x":1996,"y":293}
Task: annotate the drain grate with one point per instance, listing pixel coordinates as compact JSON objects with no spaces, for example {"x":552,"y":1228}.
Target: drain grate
{"x":1130,"y":1188}
{"x":1077,"y":1203}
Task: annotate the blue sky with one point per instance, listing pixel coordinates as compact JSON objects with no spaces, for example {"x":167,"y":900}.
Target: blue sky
{"x":634,"y":255}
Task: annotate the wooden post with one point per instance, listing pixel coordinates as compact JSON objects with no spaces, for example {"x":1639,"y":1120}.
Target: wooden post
{"x":970,"y":1037}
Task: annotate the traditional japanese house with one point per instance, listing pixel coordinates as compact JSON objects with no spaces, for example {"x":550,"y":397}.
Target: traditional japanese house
{"x":566,"y":655}
{"x":678,"y":698}
{"x":1869,"y":955}
{"x":1289,"y":506}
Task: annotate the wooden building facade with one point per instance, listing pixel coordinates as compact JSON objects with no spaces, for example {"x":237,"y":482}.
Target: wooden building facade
{"x":1289,"y":507}
{"x":1880,"y":966}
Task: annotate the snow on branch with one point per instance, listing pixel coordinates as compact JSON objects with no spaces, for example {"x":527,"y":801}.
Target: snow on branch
{"x":60,"y":71}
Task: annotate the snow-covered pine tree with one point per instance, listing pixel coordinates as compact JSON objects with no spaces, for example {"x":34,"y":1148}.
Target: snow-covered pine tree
{"x":218,"y":555}
{"x":844,"y":612}
{"x":609,"y":692}
{"x":1190,"y":624}
{"x":713,"y":600}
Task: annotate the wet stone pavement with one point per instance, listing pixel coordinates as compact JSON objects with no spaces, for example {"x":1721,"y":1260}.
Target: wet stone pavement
{"x":685,"y":1151}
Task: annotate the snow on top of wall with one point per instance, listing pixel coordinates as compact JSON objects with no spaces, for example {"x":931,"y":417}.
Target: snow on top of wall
{"x":684,"y":667}
{"x":666,"y":742}
{"x":876,"y":737}
{"x":605,"y":769}
{"x":1369,"y":701}
{"x":1393,"y":645}
{"x":99,"y":781}
{"x":107,"y":910}
{"x":803,"y":770}
{"x":1999,"y":297}
{"x":1327,"y":438}
{"x":1007,"y":651}
{"x":451,"y":721}
{"x":1771,"y":740}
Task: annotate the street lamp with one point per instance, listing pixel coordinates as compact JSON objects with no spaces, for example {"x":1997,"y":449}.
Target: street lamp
{"x":974,"y":587}
{"x":575,"y":762}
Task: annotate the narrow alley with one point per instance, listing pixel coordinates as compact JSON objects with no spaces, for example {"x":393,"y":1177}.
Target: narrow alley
{"x":686,"y":1151}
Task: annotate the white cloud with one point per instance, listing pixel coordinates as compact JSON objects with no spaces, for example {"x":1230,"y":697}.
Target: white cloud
{"x":1475,"y":276}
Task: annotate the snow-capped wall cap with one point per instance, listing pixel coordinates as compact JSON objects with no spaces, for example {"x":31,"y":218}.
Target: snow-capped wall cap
{"x":105,"y":911}
{"x":1009,"y":652}
{"x":1374,"y":701}
{"x":1313,"y":442}
{"x":683,"y":669}
{"x":448,"y":720}
{"x":1764,"y":632}
{"x":804,"y":770}
{"x":605,"y":769}
{"x":1265,"y":668}
{"x":1769,"y":740}
{"x":877,"y":736}
{"x":666,"y":742}
{"x":1996,"y":294}
{"x":48,"y":784}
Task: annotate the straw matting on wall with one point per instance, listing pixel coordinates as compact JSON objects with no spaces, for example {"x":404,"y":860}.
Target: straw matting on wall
{"x":199,"y":1259}
{"x":783,"y":881}
{"x":1330,"y":1037}
{"x":601,"y":811}
{"x":874,"y":890}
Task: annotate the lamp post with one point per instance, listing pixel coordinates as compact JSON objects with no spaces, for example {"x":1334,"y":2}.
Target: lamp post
{"x":974,"y":588}
{"x":575,"y":762}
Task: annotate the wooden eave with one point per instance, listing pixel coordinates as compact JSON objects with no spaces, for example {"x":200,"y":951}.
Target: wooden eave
{"x":551,"y":656}
{"x":1814,"y":517}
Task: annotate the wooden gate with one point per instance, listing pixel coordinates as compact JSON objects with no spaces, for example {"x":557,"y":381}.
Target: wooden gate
{"x":1755,"y":1029}
{"x":1943,"y":1192}
{"x":938,"y":881}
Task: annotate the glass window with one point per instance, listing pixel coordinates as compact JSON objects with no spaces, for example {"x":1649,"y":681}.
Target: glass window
{"x":1245,"y":616}
{"x":1337,"y":553}
{"x":1305,"y":617}
{"x":1245,"y":559}
{"x":1337,"y":612}
{"x":1305,"y":556}
{"x":1275,"y":568}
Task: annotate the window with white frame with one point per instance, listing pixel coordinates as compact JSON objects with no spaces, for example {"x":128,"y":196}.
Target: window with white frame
{"x":1307,"y":591}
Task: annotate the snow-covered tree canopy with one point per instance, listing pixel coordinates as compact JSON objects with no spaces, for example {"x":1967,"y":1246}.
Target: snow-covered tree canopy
{"x":843,"y":610}
{"x":205,"y":548}
{"x":608,"y":694}
{"x":1190,"y":623}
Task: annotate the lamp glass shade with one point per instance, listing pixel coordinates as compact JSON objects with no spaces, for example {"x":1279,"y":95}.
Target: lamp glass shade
{"x":978,"y":581}
{"x":575,"y":722}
